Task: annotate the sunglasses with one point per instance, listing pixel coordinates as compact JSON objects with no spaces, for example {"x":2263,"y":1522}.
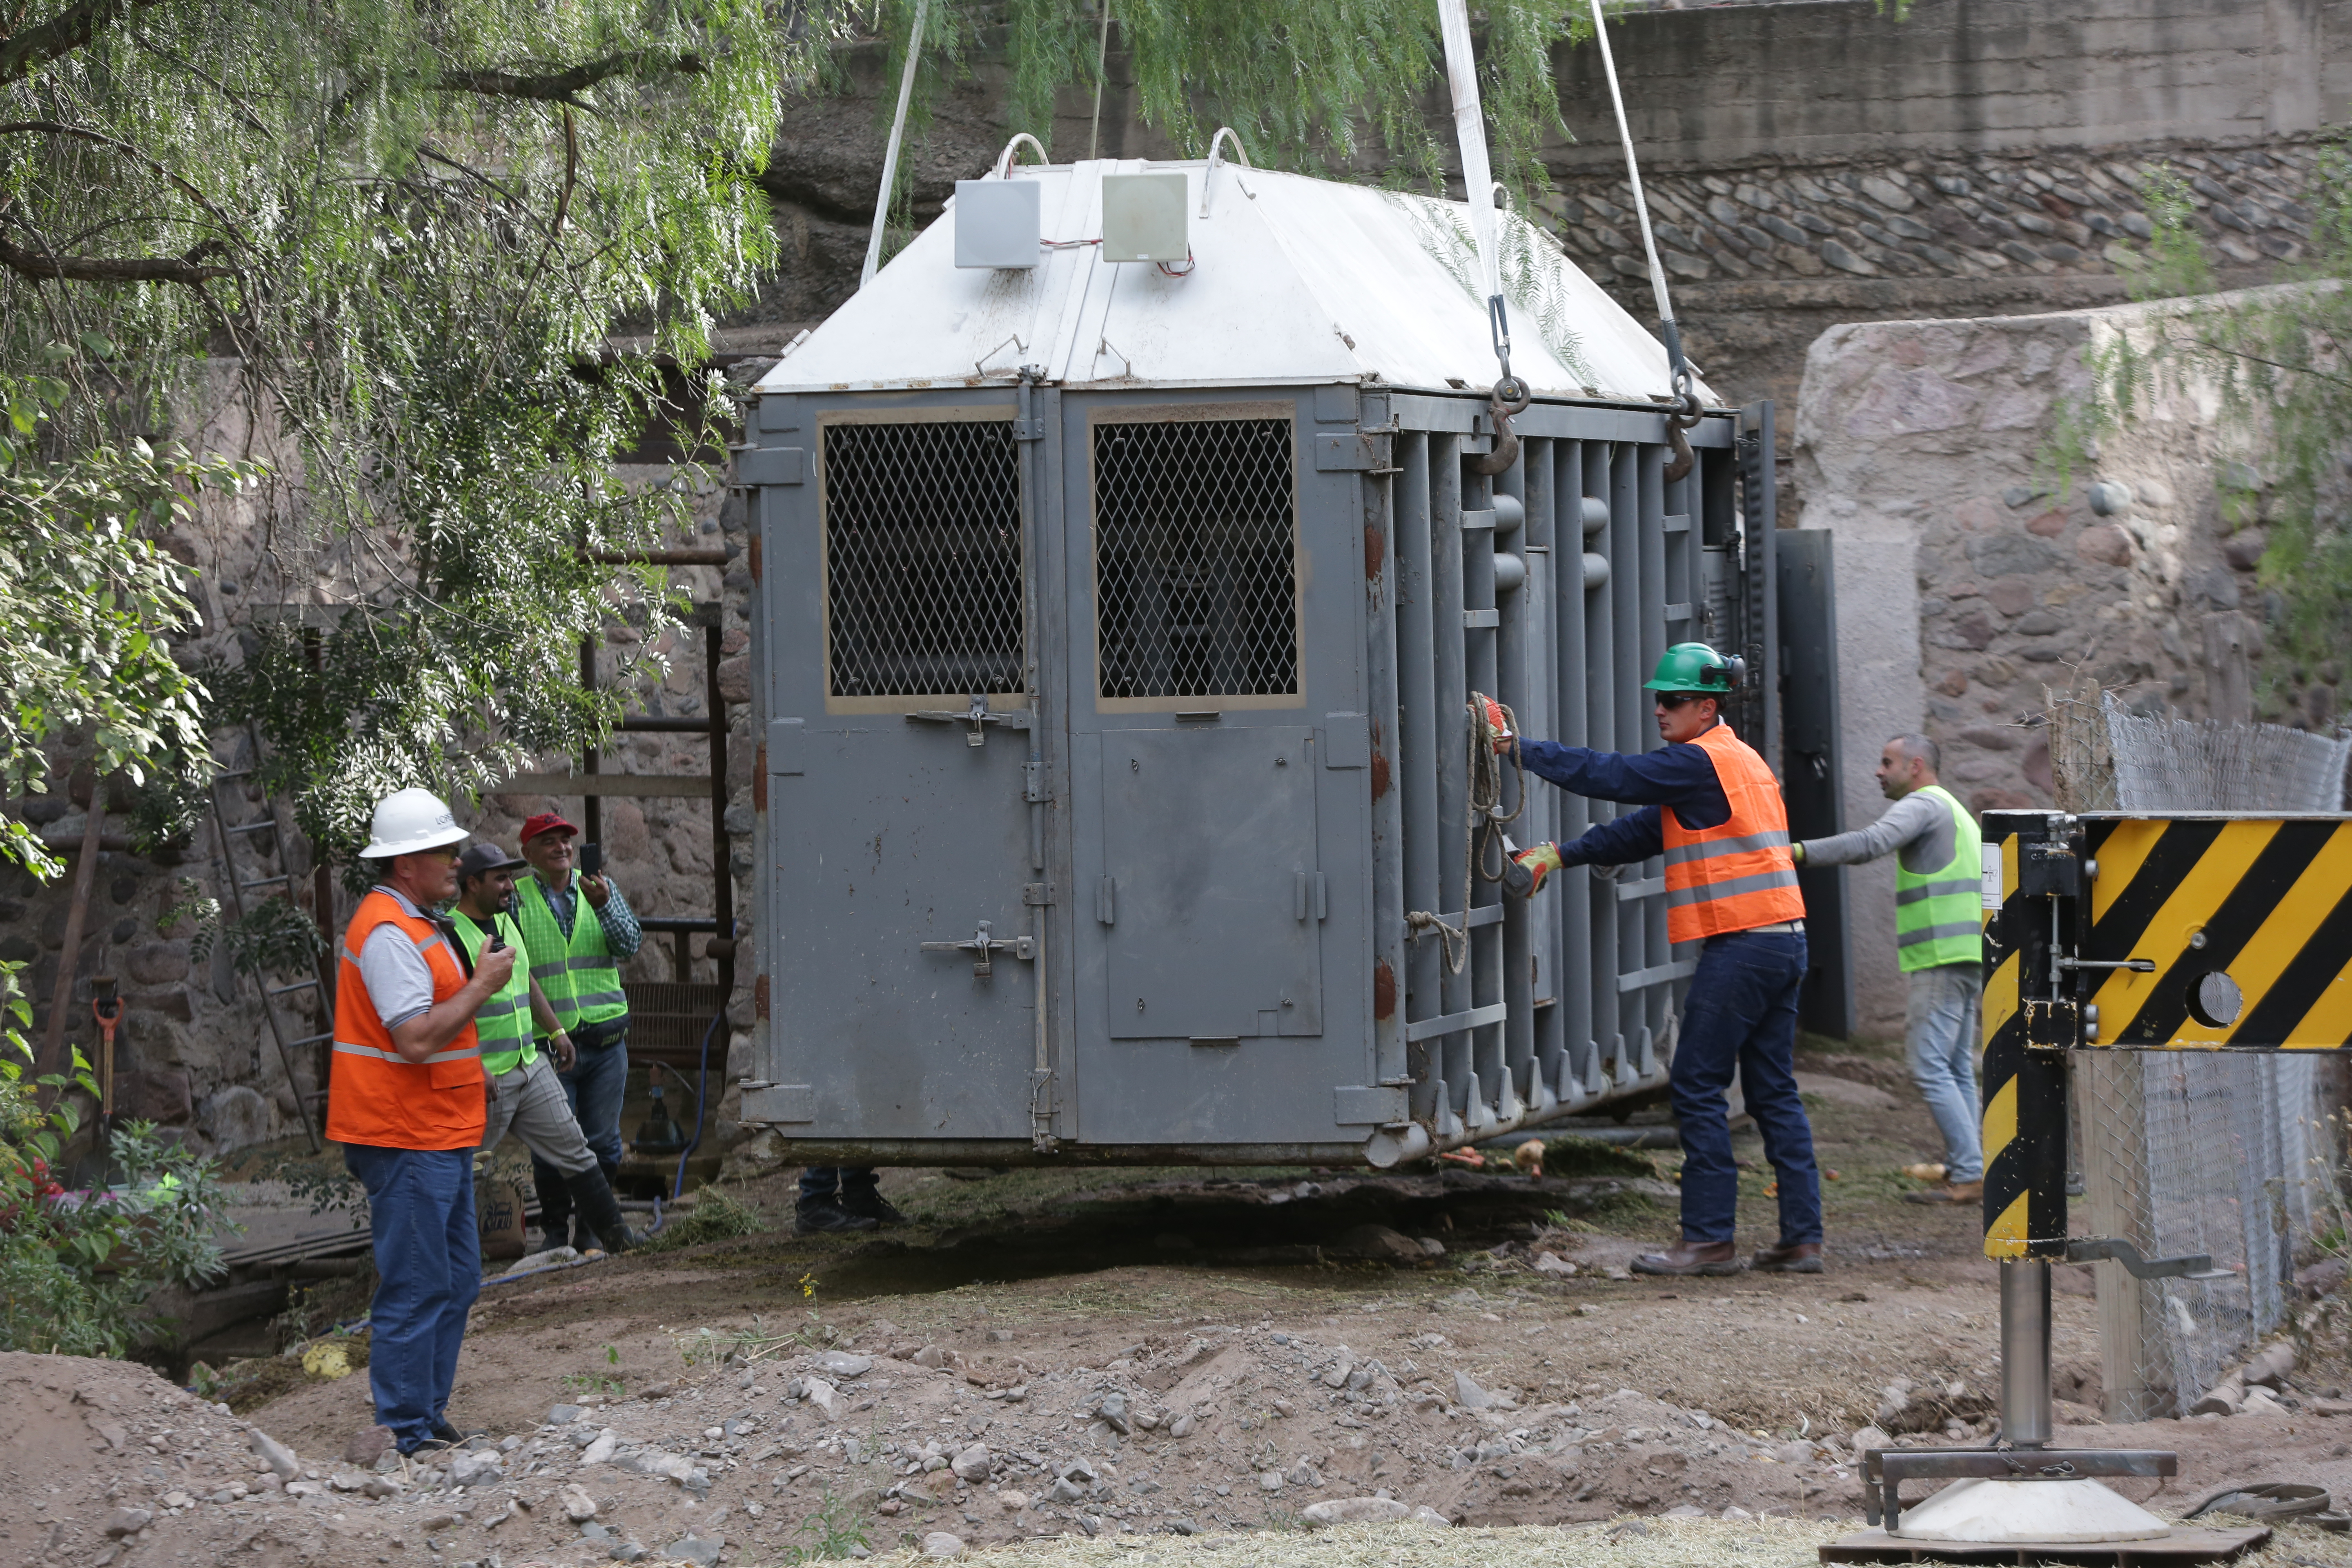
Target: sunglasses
{"x":1676,"y":699}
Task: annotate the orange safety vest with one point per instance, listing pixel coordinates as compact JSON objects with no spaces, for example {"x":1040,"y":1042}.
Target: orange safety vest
{"x":1740,"y":874}
{"x":374,"y":1097}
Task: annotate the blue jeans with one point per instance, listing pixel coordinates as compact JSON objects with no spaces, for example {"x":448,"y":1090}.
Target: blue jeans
{"x":1742,"y":1015}
{"x":819,"y":1182}
{"x":428,"y":1263}
{"x":1941,"y":1033}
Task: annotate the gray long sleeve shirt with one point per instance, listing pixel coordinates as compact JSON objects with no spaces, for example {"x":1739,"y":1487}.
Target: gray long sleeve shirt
{"x":1918,"y":825}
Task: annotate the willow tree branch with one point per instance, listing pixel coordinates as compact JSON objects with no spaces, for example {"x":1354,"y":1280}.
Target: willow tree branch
{"x":21,"y":53}
{"x":562,"y":87}
{"x":108,"y":268}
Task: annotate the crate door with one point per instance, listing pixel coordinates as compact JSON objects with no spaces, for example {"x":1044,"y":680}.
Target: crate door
{"x":903,"y":968}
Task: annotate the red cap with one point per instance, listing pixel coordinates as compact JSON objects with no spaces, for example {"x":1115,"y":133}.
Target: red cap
{"x":545,"y":822}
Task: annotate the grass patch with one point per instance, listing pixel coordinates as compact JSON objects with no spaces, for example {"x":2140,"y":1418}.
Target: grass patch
{"x":717,"y":1216}
{"x":1572,"y":1157}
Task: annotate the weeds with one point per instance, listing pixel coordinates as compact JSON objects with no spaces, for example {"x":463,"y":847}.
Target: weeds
{"x":597,"y":1383}
{"x":716,"y":1217}
{"x":833,"y":1531}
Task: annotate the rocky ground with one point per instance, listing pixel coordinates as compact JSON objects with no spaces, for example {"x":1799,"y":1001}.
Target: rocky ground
{"x":1054,"y":1365}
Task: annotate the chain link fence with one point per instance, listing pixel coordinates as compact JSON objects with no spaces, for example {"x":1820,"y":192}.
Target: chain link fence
{"x":2227,"y":1154}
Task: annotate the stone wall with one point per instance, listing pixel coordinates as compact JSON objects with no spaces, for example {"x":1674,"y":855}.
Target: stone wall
{"x":1969,"y":584}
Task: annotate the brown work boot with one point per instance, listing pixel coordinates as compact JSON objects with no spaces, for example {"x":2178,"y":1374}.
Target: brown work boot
{"x":1949,"y":1193}
{"x":1797,"y":1258}
{"x":1689,"y":1257}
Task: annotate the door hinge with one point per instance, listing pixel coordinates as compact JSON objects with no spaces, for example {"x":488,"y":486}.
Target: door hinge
{"x":1033,"y":783}
{"x":1029,"y":429}
{"x":1037,"y":895}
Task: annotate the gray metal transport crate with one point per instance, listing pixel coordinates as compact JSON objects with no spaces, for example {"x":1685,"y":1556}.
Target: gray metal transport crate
{"x":1119,"y":624}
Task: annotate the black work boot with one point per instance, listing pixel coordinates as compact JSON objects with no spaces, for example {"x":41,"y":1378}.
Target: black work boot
{"x":554,"y":1204}
{"x":868,"y":1203}
{"x":600,"y":1210}
{"x":829,"y":1216}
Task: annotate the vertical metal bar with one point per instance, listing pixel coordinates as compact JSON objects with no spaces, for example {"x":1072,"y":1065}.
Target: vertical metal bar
{"x":1416,"y":779}
{"x":1759,"y":494}
{"x":1516,"y":959}
{"x":1628,"y":668}
{"x":1540,"y":718}
{"x":1479,"y":653}
{"x":1600,"y":662}
{"x":1450,"y":718}
{"x":1387,"y":814}
{"x":1656,"y":591}
{"x":593,"y":807}
{"x":1569,"y":816}
{"x":2025,"y":1410}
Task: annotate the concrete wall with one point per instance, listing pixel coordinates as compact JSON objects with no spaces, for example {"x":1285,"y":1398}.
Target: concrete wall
{"x":1721,"y":86}
{"x":1969,"y":585}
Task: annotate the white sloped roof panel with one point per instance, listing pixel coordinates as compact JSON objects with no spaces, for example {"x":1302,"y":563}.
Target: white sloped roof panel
{"x":1294,"y":279}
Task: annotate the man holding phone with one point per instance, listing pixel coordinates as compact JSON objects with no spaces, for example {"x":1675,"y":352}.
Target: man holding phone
{"x":577,"y":962}
{"x":526,"y":1097}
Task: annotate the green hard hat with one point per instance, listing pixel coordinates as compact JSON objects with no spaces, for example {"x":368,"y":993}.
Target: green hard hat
{"x":1694,"y":666}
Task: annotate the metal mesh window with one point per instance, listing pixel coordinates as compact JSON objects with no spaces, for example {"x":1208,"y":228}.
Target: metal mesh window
{"x":923,"y":558}
{"x":1194,"y":566}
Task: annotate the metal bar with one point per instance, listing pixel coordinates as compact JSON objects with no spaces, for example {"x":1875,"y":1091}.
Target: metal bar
{"x":1599,"y":729}
{"x":1516,"y":958}
{"x":267,"y":824}
{"x":1388,"y":958}
{"x":680,"y":923}
{"x":261,"y":882}
{"x":1650,"y":483}
{"x":1640,"y":887}
{"x":644,"y":723}
{"x":2025,"y":1408}
{"x":1539,"y":482}
{"x":594,"y":811}
{"x":309,"y":984}
{"x":712,"y":556}
{"x":1482,"y":629}
{"x":592,"y":785}
{"x":1628,"y":624}
{"x":1450,"y":716}
{"x":1417,"y":742}
{"x":722,"y":867}
{"x":1642,"y":979}
{"x":1457,"y":1022}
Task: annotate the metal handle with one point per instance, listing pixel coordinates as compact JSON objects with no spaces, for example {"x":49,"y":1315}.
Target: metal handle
{"x":2137,"y":966}
{"x":977,"y":716}
{"x":986,"y":947}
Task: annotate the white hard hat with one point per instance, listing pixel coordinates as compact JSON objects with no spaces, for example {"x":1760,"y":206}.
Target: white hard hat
{"x":409,"y":820}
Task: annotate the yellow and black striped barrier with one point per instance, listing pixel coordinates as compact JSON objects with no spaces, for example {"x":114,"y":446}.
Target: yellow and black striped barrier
{"x":2109,"y":930}
{"x":2024,"y":1087}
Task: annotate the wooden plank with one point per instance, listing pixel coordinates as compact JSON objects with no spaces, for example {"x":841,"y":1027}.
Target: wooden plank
{"x":693,"y":786}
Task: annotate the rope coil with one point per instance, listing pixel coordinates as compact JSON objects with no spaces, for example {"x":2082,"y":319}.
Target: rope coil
{"x":1482,"y":823}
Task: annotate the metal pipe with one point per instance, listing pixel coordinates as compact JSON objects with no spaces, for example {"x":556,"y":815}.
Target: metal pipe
{"x":890,"y":153}
{"x":1598,"y":727}
{"x":1649,"y":477}
{"x":2025,"y":1411}
{"x":1516,"y":959}
{"x":1450,"y":717}
{"x":1628,"y":622}
{"x":1416,"y":779}
{"x":1389,"y":902}
{"x":1487,"y":1043}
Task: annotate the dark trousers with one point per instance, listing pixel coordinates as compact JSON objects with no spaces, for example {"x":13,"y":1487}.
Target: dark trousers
{"x":429,"y":1263}
{"x":819,"y":1182}
{"x":1742,"y":1016}
{"x":594,"y":1089}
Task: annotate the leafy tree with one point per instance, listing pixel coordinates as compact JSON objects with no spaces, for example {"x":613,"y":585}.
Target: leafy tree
{"x":410,"y":233}
{"x":2274,"y":358}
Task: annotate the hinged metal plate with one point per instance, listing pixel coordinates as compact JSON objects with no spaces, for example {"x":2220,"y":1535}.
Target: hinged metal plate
{"x":771,"y":466}
{"x":1037,"y":894}
{"x":1029,"y":429}
{"x":1033,"y":783}
{"x":2049,"y":1023}
{"x":1351,"y":451}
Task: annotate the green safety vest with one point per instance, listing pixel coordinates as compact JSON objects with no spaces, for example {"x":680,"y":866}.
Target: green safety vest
{"x":1939,"y":914}
{"x":579,"y":974}
{"x":504,"y":1023}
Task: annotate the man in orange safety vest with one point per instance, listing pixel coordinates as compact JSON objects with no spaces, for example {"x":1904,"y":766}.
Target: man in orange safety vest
{"x":1711,"y":807}
{"x":406,"y":1102}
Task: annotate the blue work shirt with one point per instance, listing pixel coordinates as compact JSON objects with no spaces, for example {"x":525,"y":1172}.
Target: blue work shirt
{"x":1681,"y":775}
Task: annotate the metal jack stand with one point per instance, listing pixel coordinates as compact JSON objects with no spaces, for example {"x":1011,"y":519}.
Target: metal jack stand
{"x":2047,"y":973}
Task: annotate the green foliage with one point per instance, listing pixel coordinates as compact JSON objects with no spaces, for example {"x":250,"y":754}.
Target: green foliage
{"x":76,"y":1266}
{"x":389,"y":245}
{"x":275,"y":937}
{"x":2274,"y":360}
{"x":1314,"y":84}
{"x":1573,"y":1156}
{"x":716,"y":1217}
{"x":90,"y":603}
{"x":830,"y":1533}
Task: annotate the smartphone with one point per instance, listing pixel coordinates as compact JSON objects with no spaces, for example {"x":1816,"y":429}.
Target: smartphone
{"x":592,"y":860}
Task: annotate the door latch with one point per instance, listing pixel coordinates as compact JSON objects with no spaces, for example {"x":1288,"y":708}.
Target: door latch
{"x":977,"y":716}
{"x":986,"y":948}
{"x":2100,"y":1248}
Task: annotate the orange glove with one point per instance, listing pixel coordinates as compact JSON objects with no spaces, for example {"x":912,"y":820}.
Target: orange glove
{"x":1499,"y":726}
{"x":1525,"y":875}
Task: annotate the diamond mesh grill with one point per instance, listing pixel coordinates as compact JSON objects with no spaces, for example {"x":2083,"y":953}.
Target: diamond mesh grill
{"x":923,"y":559}
{"x":1194,"y":565}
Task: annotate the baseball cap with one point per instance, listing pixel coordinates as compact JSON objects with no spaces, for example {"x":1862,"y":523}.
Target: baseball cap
{"x":545,"y":822}
{"x":482,"y":856}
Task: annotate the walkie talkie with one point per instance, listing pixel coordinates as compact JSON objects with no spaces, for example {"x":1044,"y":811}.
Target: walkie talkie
{"x":497,"y":940}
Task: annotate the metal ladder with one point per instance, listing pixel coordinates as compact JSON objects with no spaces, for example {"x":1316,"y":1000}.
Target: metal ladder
{"x":238,"y":885}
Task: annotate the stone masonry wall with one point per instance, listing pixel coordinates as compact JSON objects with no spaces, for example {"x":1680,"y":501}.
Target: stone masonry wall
{"x":1969,"y":585}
